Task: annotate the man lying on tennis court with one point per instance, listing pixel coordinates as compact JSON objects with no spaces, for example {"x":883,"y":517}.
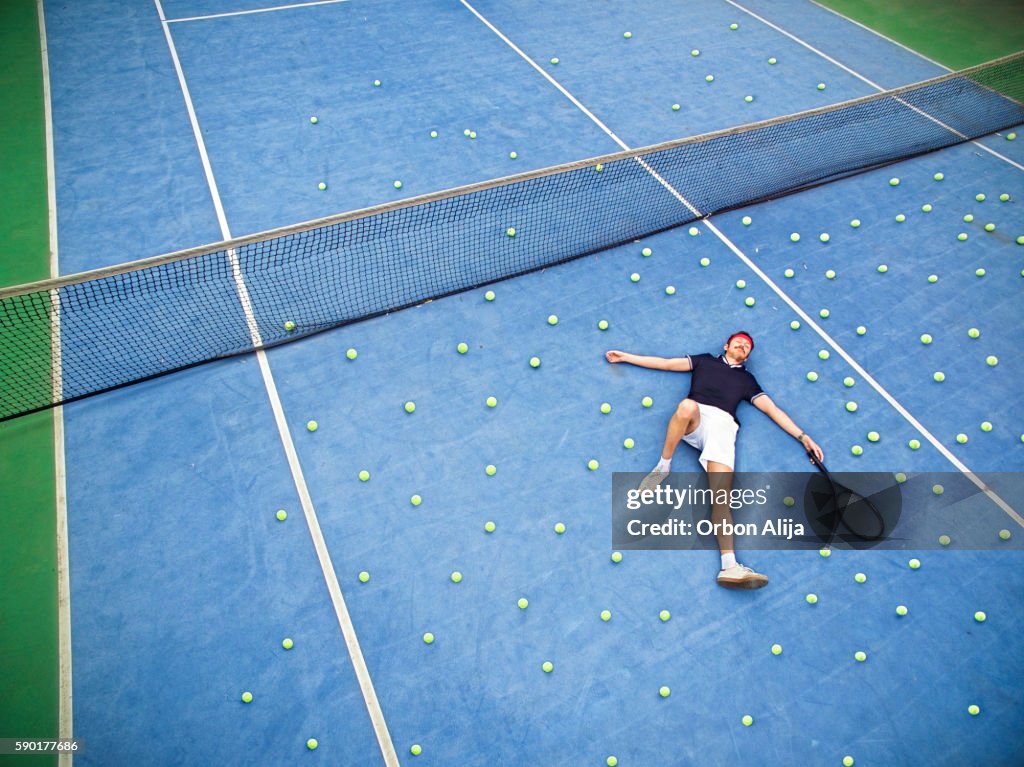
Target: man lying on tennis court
{"x":706,"y":420}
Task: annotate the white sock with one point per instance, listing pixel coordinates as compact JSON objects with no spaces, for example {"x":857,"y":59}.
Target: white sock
{"x":728,"y":560}
{"x":664,"y":464}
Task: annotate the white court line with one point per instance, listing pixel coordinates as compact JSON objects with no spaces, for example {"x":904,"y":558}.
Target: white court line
{"x":874,"y":85}
{"x":775,"y":288}
{"x":326,"y":565}
{"x":65,"y":700}
{"x":254,"y":10}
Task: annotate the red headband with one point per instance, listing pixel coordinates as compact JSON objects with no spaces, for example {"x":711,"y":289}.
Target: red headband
{"x":742,"y":335}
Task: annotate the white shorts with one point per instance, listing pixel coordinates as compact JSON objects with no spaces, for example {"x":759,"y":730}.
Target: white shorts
{"x":715,"y":436}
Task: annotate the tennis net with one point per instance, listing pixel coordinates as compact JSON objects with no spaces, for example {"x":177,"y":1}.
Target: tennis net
{"x":68,"y":338}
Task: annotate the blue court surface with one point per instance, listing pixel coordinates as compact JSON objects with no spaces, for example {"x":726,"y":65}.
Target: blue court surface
{"x":185,"y":583}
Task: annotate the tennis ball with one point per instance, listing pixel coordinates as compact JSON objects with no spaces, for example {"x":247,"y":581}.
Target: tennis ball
{"x":398,"y":184}
{"x":914,"y":444}
{"x":812,"y":599}
{"x":311,"y":744}
{"x":789,"y":501}
{"x":593,"y":465}
{"x":776,"y":649}
{"x":552,"y":319}
{"x":670,"y":290}
{"x":416,"y":749}
{"x":472,"y":134}
{"x":901,"y":477}
{"x":900,"y":218}
{"x":598,"y":168}
{"x":491,"y":470}
{"x":314,"y":119}
{"x":466,"y":133}
{"x":855,"y":223}
{"x":980,"y":197}
{"x":693,"y":231}
{"x":747,"y":221}
{"x":647,"y":402}
{"x":926,"y":208}
{"x":492,"y":402}
{"x":847,"y":761}
{"x":861,"y":330}
{"x":794,"y":325}
{"x":789,"y":273}
{"x":794,"y":237}
{"x":882,"y":268}
{"x":289,"y":326}
{"x":980,"y":616}
{"x":364,"y":476}
{"x":974,"y":333}
{"x":860,"y":656}
{"x":535,"y":362}
{"x":939,"y":376}
{"x":665,"y":615}
{"x":860,"y":578}
{"x":741,"y":284}
{"x":664,"y":692}
{"x":433,"y":134}
{"x":321,"y":186}
{"x":848,"y":382}
{"x":559,"y":528}
{"x":944,"y":540}
{"x":489,"y":295}
{"x":962,"y":236}
{"x":602,"y":324}
{"x":627,"y":35}
{"x":554,"y":61}
{"x":748,"y":99}
{"x":968,"y":218}
{"x":747,"y":720}
{"x":616,"y":556}
{"x":490,"y":527}
{"x":456,"y":577}
{"x":821,"y":86}
{"x":511,"y":232}
{"x":635,"y":277}
{"x":1004,"y":535}
{"x":628,"y":443}
{"x":991,"y":360}
{"x":513,"y":155}
{"x":734,"y":26}
{"x":351,"y":354}
{"x":973,"y":710}
{"x":772,"y":60}
{"x":675,"y":107}
{"x":606,"y":408}
{"x":462,"y":348}
{"x":1011,"y":136}
{"x":830,"y":274}
{"x":857,"y":450}
{"x":646,"y":252}
{"x":823,"y":354}
{"x":287,"y":643}
{"x":282,"y":515}
{"x":826,"y":553}
{"x":710,"y":78}
{"x":874,"y":436}
{"x":611,"y":761}
{"x":750,"y":301}
{"x":938,"y":176}
{"x":428,"y":638}
{"x":901,"y":610}
{"x":705,"y":262}
{"x":938,"y":489}
{"x":548,"y":667}
{"x":961,"y":438}
{"x":695,"y":52}
{"x":894,"y":182}
{"x":523,"y":603}
{"x":926,"y":339}
{"x":246,"y":697}
{"x":606,"y":615}
{"x":364,"y":577}
{"x":933,"y":278}
{"x":312,"y":425}
{"x":812,"y":376}
{"x":824,"y":314}
{"x":986,"y":426}
{"x":410,"y":407}
{"x":1004,"y":197}
{"x":979,"y":272}
{"x":990,"y":227}
{"x":376,"y":83}
{"x":915,"y":564}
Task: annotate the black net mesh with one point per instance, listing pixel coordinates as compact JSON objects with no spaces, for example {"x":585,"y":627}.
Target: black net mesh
{"x":68,"y":338}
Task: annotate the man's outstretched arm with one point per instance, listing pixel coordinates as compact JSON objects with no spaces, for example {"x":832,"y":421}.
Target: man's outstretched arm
{"x":764,"y":403}
{"x":674,"y":364}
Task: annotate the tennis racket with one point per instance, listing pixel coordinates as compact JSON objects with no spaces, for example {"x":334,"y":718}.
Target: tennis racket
{"x":848,"y":508}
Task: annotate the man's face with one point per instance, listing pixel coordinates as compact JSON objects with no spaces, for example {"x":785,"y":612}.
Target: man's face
{"x":738,"y":348}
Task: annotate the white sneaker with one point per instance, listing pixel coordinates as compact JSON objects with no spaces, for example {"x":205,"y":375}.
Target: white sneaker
{"x":741,"y":577}
{"x":652,"y":480}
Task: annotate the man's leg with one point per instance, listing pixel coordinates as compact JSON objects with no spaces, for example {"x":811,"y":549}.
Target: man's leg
{"x":732,"y":575}
{"x":683,"y":422}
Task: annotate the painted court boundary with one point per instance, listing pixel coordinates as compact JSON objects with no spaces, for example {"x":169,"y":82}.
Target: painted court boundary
{"x":330,"y":576}
{"x":991,"y":494}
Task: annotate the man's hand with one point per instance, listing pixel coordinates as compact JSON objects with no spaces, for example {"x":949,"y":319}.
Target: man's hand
{"x":615,"y":355}
{"x":812,"y":448}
